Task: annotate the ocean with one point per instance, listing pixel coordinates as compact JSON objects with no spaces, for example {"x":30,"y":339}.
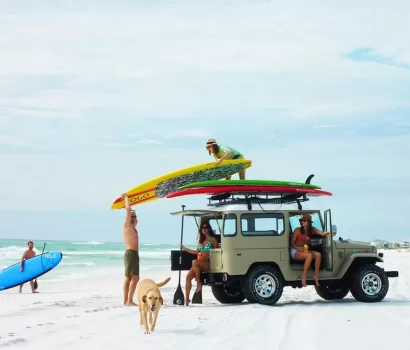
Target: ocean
{"x":86,"y":259}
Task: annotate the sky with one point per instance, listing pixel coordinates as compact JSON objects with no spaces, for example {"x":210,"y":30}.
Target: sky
{"x":97,"y":97}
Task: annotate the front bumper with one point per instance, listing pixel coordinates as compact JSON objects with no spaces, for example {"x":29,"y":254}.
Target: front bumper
{"x":392,"y":274}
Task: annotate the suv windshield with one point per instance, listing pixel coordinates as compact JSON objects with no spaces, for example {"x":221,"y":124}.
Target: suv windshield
{"x":294,"y":221}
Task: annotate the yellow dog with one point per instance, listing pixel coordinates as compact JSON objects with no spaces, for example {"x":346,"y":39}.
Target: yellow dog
{"x":149,"y":301}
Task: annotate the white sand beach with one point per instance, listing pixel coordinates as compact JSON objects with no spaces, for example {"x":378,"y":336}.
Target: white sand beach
{"x":89,"y":313}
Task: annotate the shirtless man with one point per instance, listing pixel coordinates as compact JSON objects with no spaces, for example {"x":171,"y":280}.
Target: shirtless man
{"x":29,"y":253}
{"x":131,"y":256}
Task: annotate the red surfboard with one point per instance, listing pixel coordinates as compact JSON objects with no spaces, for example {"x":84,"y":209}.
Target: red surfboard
{"x":280,"y":190}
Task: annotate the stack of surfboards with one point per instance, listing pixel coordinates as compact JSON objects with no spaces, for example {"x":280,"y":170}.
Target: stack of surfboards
{"x":209,"y":179}
{"x":249,"y":187}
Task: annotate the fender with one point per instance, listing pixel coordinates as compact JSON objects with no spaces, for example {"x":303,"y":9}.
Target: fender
{"x":355,"y":257}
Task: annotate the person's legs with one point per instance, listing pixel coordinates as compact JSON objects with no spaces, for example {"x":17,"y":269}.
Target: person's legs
{"x":21,"y":287}
{"x":131,"y":262}
{"x":197,"y":271}
{"x":32,"y":286}
{"x":188,"y":285}
{"x":318,"y":259}
{"x":133,"y":286}
{"x":126,"y":288}
{"x":308,"y":260}
{"x":200,"y":266}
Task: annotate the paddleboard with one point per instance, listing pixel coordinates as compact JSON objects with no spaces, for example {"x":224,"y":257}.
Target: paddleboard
{"x":248,"y":183}
{"x":161,"y":186}
{"x":34,"y":267}
{"x":237,"y":189}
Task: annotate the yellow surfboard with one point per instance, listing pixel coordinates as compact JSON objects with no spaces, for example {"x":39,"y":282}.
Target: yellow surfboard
{"x":161,"y":186}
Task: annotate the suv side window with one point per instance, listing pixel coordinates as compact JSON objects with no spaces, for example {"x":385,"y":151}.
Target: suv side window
{"x":261,"y":224}
{"x":229,"y":225}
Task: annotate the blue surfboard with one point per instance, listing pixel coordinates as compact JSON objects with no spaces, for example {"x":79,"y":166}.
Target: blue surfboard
{"x":33,"y":268}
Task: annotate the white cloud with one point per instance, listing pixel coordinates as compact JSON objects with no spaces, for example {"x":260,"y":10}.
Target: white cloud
{"x":232,"y":60}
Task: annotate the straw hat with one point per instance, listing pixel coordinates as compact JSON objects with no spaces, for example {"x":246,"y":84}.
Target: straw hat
{"x":211,"y":142}
{"x":307,"y":217}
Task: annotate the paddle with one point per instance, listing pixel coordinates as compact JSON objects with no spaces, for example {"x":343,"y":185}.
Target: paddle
{"x":179,"y":298}
{"x":35,"y":281}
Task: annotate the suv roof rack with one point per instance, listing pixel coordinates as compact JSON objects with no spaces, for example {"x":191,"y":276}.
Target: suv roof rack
{"x":224,"y":199}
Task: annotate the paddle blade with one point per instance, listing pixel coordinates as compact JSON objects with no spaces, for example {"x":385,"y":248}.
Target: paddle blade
{"x":179,"y":296}
{"x":197,"y":298}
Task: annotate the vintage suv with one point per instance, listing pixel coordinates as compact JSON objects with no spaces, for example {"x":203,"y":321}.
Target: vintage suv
{"x":253,"y":261}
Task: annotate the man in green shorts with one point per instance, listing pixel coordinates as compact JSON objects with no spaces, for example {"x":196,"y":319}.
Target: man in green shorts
{"x":131,"y":255}
{"x":222,"y":152}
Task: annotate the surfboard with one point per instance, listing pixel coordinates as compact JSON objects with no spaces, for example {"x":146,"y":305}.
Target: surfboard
{"x":237,"y":189}
{"x":163,"y":185}
{"x":248,"y":183}
{"x":34,"y":267}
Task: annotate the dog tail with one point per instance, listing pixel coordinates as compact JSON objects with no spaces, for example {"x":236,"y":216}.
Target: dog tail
{"x":163,"y":283}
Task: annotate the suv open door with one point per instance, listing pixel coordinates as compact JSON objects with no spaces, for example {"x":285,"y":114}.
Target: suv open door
{"x":328,"y":240}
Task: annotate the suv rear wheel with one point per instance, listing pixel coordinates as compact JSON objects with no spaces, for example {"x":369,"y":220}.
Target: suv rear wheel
{"x":369,"y":284}
{"x":328,"y":292}
{"x":228,"y":294}
{"x":263,"y":285}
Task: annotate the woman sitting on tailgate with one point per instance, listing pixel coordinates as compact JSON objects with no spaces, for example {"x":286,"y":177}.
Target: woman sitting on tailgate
{"x":207,"y":241}
{"x":301,"y":237}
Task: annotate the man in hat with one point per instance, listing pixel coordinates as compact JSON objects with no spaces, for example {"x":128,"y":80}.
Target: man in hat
{"x":222,"y":152}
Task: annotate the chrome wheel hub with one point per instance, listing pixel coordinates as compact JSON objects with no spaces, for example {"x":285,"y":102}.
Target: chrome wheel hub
{"x":371,"y":284}
{"x":265,"y":286}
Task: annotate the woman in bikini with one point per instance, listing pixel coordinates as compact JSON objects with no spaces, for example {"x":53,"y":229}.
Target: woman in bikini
{"x":207,"y":241}
{"x":301,"y":237}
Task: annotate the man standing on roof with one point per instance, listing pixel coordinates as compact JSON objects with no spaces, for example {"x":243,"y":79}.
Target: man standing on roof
{"x":222,"y":152}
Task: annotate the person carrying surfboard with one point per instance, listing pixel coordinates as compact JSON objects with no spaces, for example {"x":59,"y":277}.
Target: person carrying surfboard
{"x":29,"y":253}
{"x":223,"y":152}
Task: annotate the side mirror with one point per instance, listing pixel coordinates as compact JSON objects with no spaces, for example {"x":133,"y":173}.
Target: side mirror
{"x":334,"y":230}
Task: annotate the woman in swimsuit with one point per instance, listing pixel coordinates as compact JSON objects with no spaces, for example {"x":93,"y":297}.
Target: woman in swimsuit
{"x":207,"y":241}
{"x":301,"y":236}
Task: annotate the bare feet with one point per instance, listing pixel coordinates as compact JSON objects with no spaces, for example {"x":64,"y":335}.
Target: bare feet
{"x":187,"y":302}
{"x":304,"y":280}
{"x":34,"y":291}
{"x":316,"y":278}
{"x":131,"y":304}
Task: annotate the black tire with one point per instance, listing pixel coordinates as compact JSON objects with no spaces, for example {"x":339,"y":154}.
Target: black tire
{"x":332,"y":292}
{"x":374,"y":289}
{"x":228,"y":294}
{"x":274,"y":285}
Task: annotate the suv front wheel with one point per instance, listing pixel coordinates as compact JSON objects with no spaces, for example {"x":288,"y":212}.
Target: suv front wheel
{"x":369,"y":284}
{"x":263,"y":285}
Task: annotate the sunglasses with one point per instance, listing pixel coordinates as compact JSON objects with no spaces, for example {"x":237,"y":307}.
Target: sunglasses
{"x":133,"y":216}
